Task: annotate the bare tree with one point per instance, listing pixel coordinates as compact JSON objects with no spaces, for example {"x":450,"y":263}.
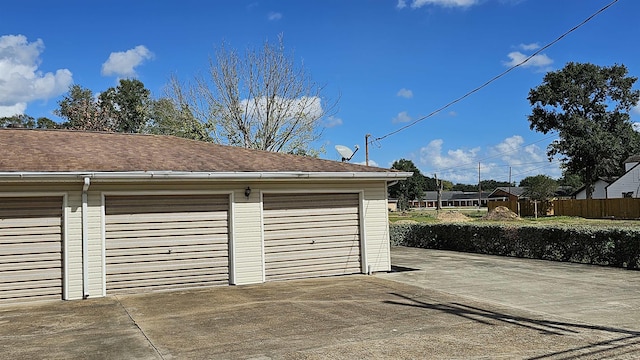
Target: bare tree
{"x":261,"y":100}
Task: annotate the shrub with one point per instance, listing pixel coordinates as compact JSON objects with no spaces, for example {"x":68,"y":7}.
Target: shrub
{"x":619,"y":247}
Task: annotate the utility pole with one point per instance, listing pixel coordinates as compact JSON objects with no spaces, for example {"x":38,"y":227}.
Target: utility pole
{"x":439,"y":193}
{"x":479,"y":187}
{"x":366,"y":148}
{"x":509,"y":193}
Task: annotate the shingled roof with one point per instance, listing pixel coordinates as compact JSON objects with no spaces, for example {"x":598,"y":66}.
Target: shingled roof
{"x":29,"y":150}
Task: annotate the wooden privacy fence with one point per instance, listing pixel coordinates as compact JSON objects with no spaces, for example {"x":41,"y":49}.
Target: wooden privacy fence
{"x":524,"y":208}
{"x":623,"y":208}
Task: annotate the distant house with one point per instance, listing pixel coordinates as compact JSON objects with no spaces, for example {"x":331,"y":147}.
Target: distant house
{"x":392,"y":204}
{"x":451,"y":199}
{"x":627,"y":185}
{"x":513,"y":193}
{"x":599,"y":190}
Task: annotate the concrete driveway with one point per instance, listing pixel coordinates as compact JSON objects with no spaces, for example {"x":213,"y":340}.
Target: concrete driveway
{"x":402,"y":315}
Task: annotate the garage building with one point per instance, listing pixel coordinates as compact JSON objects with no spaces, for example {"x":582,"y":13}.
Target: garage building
{"x":88,"y":214}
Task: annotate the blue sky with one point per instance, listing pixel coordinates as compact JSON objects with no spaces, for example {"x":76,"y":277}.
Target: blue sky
{"x":388,"y":62}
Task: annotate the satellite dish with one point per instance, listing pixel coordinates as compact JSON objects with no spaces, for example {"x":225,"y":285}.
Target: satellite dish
{"x":345,"y":152}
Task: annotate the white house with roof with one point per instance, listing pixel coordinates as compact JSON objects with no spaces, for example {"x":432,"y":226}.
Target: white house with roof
{"x":627,"y":185}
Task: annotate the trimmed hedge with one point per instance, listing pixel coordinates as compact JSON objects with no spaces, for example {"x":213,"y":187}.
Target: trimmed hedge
{"x":610,"y":246}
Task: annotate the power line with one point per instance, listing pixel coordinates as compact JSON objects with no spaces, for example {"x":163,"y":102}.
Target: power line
{"x":499,"y":75}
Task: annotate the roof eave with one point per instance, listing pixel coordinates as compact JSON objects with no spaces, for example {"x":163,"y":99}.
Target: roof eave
{"x":178,"y":175}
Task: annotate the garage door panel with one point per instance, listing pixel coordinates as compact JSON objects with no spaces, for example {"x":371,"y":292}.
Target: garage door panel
{"x":157,"y":242}
{"x":317,"y":240}
{"x":154,"y":204}
{"x":302,"y":273}
{"x":335,"y":263}
{"x":312,"y":232}
{"x":289,"y":202}
{"x":165,"y":266}
{"x":321,"y":214}
{"x":53,"y":237}
{"x":6,"y":223}
{"x":169,"y":233}
{"x":169,"y":283}
{"x":32,"y":274}
{"x":166,"y":242}
{"x":218,"y":250}
{"x":187,"y":275}
{"x":30,"y":248}
{"x":307,"y":235}
{"x":37,"y":264}
{"x":166,"y":224}
{"x":338,"y":255}
{"x":304,"y":246}
{"x":313,"y":224}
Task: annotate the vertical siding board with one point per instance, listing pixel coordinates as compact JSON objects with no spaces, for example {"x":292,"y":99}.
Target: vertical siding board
{"x":247,"y":238}
{"x":74,"y":245}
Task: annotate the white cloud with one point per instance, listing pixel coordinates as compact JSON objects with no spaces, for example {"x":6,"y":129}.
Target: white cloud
{"x":432,"y":157}
{"x":415,"y":4}
{"x":405,"y":93}
{"x":20,"y":80}
{"x":274,"y":16}
{"x":529,"y":47}
{"x":123,"y":63}
{"x":636,"y":126}
{"x":332,"y":121}
{"x":402,"y":117}
{"x":540,"y":61}
{"x":461,"y":165}
{"x":16,"y":109}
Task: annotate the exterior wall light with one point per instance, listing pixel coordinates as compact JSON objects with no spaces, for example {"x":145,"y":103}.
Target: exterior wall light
{"x":247,"y":192}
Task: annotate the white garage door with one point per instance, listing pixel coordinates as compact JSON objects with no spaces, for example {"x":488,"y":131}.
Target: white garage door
{"x":156,"y":242}
{"x":30,"y":248}
{"x":309,"y":235}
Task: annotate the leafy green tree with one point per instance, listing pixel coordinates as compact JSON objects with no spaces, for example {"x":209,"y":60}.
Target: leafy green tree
{"x":571,"y":182}
{"x":166,"y":118}
{"x":539,"y":187}
{"x":487,"y":185}
{"x":409,"y":189}
{"x":82,"y":112}
{"x":129,"y":104}
{"x":588,"y":105}
{"x":29,"y":122}
{"x":125,"y":108}
{"x":464,"y":187}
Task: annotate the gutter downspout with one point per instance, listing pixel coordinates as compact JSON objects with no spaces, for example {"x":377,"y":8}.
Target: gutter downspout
{"x":85,"y":239}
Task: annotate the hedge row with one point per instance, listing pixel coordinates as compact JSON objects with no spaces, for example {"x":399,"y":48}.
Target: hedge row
{"x":619,"y":247}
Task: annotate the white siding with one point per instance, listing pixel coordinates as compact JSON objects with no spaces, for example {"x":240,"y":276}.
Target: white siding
{"x":74,"y":244}
{"x":629,"y":182}
{"x":599,"y":191}
{"x":377,"y":227}
{"x":96,"y":285}
{"x":247,"y":238}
